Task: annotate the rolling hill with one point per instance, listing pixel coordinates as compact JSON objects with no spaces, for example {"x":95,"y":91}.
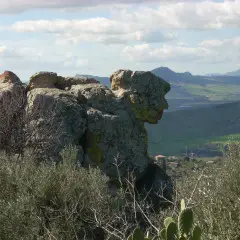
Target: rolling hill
{"x":194,"y":128}
{"x":234,"y":73}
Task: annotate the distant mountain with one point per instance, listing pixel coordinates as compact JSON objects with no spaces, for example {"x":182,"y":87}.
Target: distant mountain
{"x":212,"y":74}
{"x":193,"y":128}
{"x":180,"y":78}
{"x":234,"y":73}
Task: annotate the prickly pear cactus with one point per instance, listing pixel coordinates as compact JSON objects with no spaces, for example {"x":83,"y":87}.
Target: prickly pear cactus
{"x":174,"y":231}
{"x":185,"y":222}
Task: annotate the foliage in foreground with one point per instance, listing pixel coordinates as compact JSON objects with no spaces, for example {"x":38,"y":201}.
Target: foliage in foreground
{"x":172,"y":231}
{"x":215,"y":196}
{"x":46,"y":202}
{"x":49,"y":202}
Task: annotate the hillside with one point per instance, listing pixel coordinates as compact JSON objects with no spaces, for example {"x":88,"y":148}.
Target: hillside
{"x":197,"y":91}
{"x":192,"y":128}
{"x":193,"y":91}
{"x":234,"y":73}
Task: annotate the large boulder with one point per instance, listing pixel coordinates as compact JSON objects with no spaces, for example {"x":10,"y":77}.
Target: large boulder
{"x":55,"y":119}
{"x":12,"y":104}
{"x":145,"y":90}
{"x":116,"y":139}
{"x":52,"y":80}
{"x":116,"y":135}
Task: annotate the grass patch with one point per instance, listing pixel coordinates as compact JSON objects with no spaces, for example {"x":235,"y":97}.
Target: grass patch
{"x":215,"y":92}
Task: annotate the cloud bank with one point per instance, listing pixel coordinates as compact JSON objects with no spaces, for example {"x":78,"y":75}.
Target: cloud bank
{"x":145,"y":24}
{"x":207,"y":51}
{"x":15,"y":6}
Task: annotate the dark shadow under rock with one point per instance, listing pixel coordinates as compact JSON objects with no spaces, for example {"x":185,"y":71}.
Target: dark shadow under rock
{"x":157,"y":186}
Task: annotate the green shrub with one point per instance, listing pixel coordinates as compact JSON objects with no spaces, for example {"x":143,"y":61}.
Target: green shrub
{"x":48,"y":201}
{"x":64,"y":201}
{"x":215,"y":197}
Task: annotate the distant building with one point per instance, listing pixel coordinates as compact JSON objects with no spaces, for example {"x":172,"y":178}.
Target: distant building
{"x":158,"y":157}
{"x":162,"y":158}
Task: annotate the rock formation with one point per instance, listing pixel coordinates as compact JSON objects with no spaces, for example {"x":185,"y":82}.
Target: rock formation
{"x":12,"y":103}
{"x":106,"y":126}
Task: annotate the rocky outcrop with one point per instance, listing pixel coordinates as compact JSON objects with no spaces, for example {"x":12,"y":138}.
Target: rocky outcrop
{"x":12,"y":103}
{"x":115,"y":134}
{"x":106,"y":126}
{"x":146,"y":92}
{"x":55,"y":118}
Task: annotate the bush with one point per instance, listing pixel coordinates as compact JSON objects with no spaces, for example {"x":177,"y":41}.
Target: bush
{"x":215,"y":196}
{"x":65,"y":201}
{"x":49,"y":202}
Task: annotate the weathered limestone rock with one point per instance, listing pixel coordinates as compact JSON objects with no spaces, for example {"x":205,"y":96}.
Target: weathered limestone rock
{"x":55,"y":119}
{"x":145,"y":90}
{"x":43,"y":80}
{"x":115,"y":132}
{"x":113,"y":135}
{"x":12,"y":103}
{"x":116,"y":139}
{"x":67,"y":82}
{"x":52,"y":80}
{"x":97,"y":95}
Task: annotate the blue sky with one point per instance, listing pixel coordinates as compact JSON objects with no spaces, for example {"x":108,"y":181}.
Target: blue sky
{"x":98,"y":37}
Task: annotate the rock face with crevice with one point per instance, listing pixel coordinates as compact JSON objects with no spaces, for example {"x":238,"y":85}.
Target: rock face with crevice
{"x":55,"y":119}
{"x":12,"y":104}
{"x":106,"y":126}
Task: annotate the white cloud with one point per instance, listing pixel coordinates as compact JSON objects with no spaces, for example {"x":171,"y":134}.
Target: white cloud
{"x":141,"y":24}
{"x":102,"y":30}
{"x":135,"y":36}
{"x":188,"y":15}
{"x":227,"y":44}
{"x":211,"y":43}
{"x":182,"y":15}
{"x":70,"y":60}
{"x":146,"y":53}
{"x":2,"y":49}
{"x":32,"y":58}
{"x":8,"y":53}
{"x":212,"y":51}
{"x":14,"y":6}
{"x":91,"y":26}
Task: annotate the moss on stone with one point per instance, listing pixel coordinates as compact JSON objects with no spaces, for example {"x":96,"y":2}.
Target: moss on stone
{"x":143,"y":113}
{"x":93,"y":150}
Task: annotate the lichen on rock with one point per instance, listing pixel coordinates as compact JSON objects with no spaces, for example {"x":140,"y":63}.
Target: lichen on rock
{"x":63,"y":121}
{"x":145,"y":90}
{"x":12,"y":103}
{"x":93,"y":150}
